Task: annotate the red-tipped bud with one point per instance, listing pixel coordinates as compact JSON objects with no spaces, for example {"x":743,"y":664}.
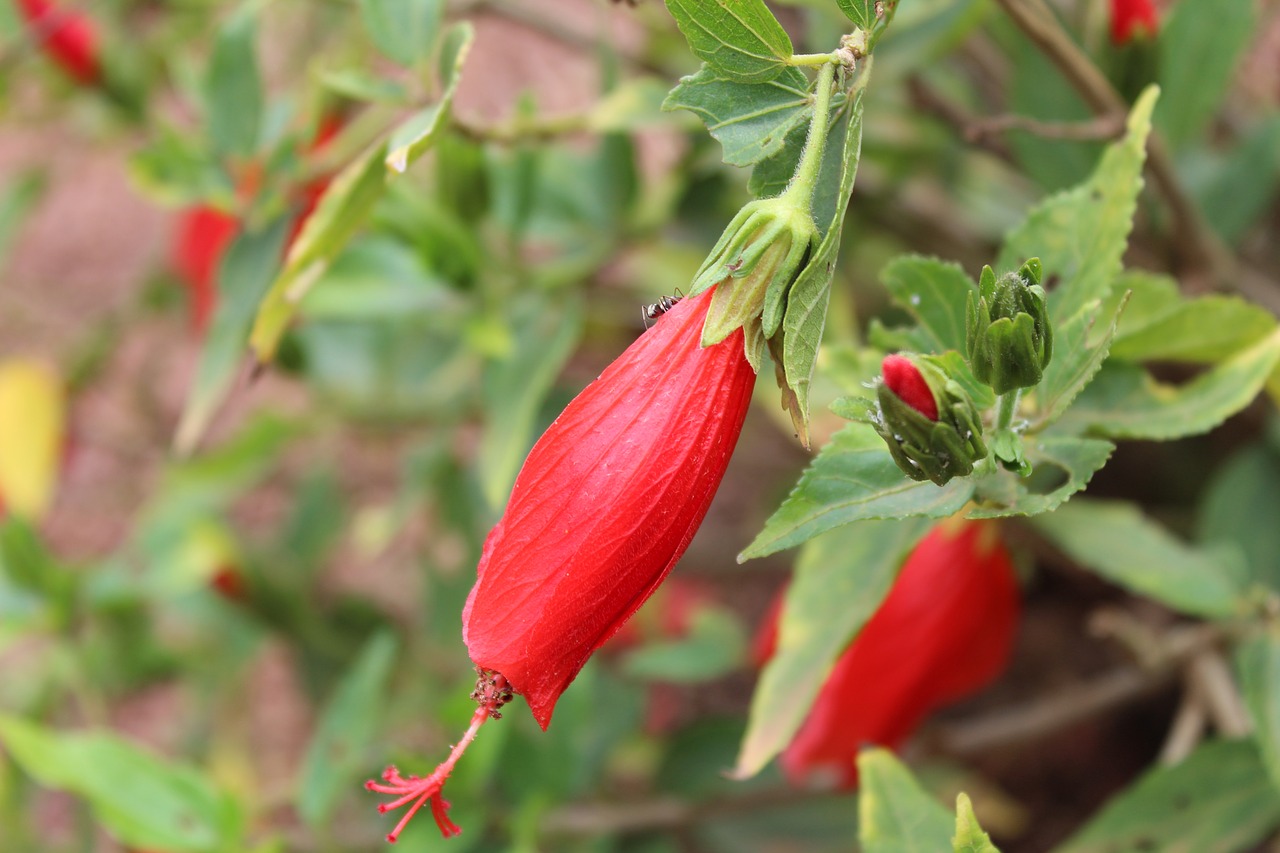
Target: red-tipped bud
{"x":904,"y":379}
{"x":203,"y":235}
{"x":944,"y":631}
{"x":1132,"y":19}
{"x":68,"y":38}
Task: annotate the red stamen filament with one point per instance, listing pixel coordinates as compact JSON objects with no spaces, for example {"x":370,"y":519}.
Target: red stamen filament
{"x":419,"y":790}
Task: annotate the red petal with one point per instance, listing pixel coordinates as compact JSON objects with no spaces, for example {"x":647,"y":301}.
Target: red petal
{"x":67,"y":37}
{"x":204,"y":233}
{"x":605,"y":505}
{"x":944,"y":631}
{"x":905,"y":380}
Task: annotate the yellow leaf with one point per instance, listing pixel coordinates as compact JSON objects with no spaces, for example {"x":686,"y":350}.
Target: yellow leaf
{"x":32,"y":429}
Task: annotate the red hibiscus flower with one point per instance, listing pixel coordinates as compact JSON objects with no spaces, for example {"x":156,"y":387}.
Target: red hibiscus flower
{"x":606,"y":503}
{"x":1133,"y":19}
{"x":944,"y":631}
{"x":68,"y":38}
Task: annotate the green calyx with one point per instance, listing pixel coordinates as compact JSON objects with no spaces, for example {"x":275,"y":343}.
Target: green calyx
{"x":925,"y":449}
{"x":752,"y":267}
{"x":1009,"y":338}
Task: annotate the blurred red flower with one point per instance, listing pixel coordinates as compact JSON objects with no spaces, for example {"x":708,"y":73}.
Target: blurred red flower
{"x":1133,"y":19}
{"x":944,"y":631}
{"x":68,"y":38}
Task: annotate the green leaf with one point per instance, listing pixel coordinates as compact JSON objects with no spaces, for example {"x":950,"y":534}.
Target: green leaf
{"x":853,"y":479}
{"x":840,"y":580}
{"x":1115,"y":540}
{"x":969,"y":837}
{"x":1159,"y":324}
{"x":341,"y":211}
{"x":1240,"y":186}
{"x":750,"y":120}
{"x":1124,"y":401}
{"x":1076,"y":360}
{"x":739,"y":38}
{"x":1062,"y":466}
{"x":1200,"y":45}
{"x":336,"y":754}
{"x":895,"y":814}
{"x":1080,"y":234}
{"x":806,"y":313}
{"x":243,"y":279}
{"x":1219,"y":799}
{"x":1258,"y":660}
{"x":543,"y":336}
{"x":861,"y":12}
{"x":361,"y":85}
{"x":379,"y":278}
{"x":138,"y":798}
{"x":1240,"y":507}
{"x":933,"y":292}
{"x":404,"y":30}
{"x":416,"y":134}
{"x":18,"y":195}
{"x":233,"y":88}
{"x":714,"y":647}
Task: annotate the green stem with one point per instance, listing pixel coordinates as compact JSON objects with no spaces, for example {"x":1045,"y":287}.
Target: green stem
{"x":811,"y":60}
{"x":800,"y":190}
{"x":1007,"y":408}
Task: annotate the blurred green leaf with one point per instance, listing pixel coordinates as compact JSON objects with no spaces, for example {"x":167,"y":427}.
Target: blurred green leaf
{"x":861,"y":12}
{"x":1040,"y":91}
{"x":404,"y":30}
{"x":713,"y":648}
{"x":1062,"y":466}
{"x":233,"y":94}
{"x":1240,"y":506}
{"x":1115,"y":540}
{"x":341,"y":211}
{"x":1080,"y":234}
{"x":934,"y":293}
{"x":969,"y":837}
{"x":895,"y":814}
{"x":416,"y":134}
{"x":750,"y":120}
{"x":1124,"y":401}
{"x":18,"y":195}
{"x":853,"y":479}
{"x":361,"y":85}
{"x":140,"y":799}
{"x":1159,"y":324}
{"x":1218,"y":800}
{"x":738,"y":38}
{"x":1258,"y":661}
{"x":1200,"y":45}
{"x":840,"y":580}
{"x":243,"y":278}
{"x":336,"y":754}
{"x":544,"y":333}
{"x":1244,"y":182}
{"x":631,"y":105}
{"x":378,"y":278}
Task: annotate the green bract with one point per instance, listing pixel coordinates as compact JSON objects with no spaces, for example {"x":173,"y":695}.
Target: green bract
{"x":754,"y":264}
{"x":1008,"y":335}
{"x":925,"y":449}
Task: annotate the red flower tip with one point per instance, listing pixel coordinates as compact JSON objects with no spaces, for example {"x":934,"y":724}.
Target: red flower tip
{"x":68,"y":38}
{"x":905,"y":380}
{"x":1132,"y":19}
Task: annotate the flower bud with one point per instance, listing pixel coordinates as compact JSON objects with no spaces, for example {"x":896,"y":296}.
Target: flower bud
{"x":754,"y":264}
{"x":944,"y":631}
{"x":66,"y":37}
{"x":928,"y":421}
{"x":1132,"y":19}
{"x":1009,"y":338}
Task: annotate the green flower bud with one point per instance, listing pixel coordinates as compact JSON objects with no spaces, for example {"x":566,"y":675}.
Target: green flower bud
{"x":752,"y":267}
{"x":1009,"y":338}
{"x":926,"y":448}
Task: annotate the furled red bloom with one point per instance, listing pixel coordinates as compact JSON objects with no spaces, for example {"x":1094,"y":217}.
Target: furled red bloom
{"x":67,"y":37}
{"x":904,"y":379}
{"x":204,"y":233}
{"x":944,"y":631}
{"x":606,"y":503}
{"x":1133,"y":18}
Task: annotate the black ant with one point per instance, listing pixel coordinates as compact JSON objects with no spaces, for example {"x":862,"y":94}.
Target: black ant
{"x":657,"y":309}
